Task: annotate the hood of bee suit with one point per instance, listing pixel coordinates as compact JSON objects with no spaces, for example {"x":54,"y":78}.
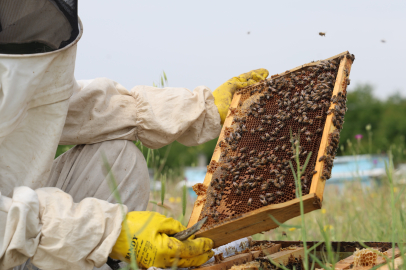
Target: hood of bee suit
{"x":31,"y":80}
{"x":32,"y":83}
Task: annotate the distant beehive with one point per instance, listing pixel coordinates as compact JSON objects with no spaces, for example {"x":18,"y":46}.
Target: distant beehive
{"x":249,"y":176}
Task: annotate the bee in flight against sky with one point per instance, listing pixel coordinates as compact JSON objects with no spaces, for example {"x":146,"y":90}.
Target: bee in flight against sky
{"x":322,"y":34}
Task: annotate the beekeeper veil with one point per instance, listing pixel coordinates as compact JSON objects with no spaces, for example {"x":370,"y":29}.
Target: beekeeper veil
{"x":38,"y":41}
{"x":37,"y":26}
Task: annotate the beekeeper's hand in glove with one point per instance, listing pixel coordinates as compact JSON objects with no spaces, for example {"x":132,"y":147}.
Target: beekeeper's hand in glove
{"x":224,"y":93}
{"x":148,"y":233}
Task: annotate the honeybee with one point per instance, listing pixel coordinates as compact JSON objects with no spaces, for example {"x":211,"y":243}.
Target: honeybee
{"x":249,"y":202}
{"x":283,"y":147}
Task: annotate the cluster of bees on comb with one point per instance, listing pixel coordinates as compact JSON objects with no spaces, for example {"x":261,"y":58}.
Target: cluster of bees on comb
{"x":272,"y":120}
{"x":292,"y":263}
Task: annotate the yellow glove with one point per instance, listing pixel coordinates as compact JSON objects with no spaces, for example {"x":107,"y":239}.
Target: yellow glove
{"x":224,"y":93}
{"x":149,"y":238}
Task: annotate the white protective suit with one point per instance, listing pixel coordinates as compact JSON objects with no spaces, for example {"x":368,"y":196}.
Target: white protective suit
{"x":61,"y":214}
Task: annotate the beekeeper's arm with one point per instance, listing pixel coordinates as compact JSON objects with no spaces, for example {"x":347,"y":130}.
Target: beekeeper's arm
{"x":104,"y":110}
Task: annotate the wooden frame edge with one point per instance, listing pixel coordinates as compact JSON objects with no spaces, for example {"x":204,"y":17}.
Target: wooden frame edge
{"x":226,"y":232}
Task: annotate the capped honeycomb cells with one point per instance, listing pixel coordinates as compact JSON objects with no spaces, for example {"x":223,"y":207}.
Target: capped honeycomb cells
{"x":271,"y":119}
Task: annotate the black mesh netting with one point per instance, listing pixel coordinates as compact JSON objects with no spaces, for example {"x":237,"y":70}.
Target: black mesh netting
{"x":28,"y":26}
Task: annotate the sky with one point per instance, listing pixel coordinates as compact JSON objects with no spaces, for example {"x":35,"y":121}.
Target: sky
{"x":207,"y":42}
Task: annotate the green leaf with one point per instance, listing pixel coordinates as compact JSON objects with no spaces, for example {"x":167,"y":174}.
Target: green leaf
{"x":163,"y":188}
{"x":184,"y":199}
{"x":283,"y":225}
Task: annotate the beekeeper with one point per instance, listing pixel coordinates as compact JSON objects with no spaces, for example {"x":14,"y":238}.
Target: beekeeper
{"x":61,"y":214}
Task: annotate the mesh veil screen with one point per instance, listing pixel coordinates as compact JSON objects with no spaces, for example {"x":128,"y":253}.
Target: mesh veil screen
{"x":28,"y":26}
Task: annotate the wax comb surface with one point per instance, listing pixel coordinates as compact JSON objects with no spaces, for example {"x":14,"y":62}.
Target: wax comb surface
{"x":249,"y":176}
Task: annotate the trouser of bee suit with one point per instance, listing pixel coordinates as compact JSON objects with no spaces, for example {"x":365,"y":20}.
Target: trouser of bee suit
{"x":82,"y":173}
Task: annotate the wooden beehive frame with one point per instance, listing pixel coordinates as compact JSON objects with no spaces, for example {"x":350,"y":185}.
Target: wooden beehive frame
{"x":281,"y":251}
{"x":259,"y":220}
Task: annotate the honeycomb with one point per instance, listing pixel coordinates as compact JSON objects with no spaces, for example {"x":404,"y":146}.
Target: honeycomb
{"x":365,"y":257}
{"x":264,"y":263}
{"x":272,"y":118}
